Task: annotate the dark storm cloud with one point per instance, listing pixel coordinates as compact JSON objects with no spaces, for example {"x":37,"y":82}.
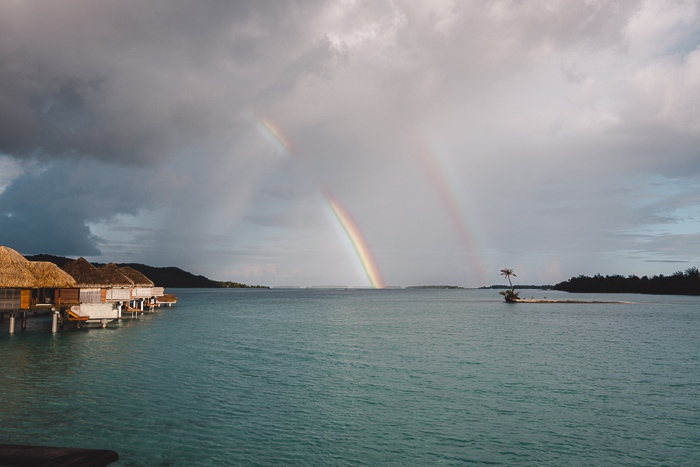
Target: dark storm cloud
{"x":134,"y":82}
{"x":133,"y":85}
{"x":48,"y":208}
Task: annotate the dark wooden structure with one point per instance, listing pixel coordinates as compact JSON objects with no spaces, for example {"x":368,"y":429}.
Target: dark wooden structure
{"x":14,"y":455}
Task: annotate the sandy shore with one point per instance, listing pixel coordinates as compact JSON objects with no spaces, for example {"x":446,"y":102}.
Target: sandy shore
{"x":535,"y":300}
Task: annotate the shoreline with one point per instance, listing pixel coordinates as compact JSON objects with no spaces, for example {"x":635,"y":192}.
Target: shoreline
{"x":535,"y":300}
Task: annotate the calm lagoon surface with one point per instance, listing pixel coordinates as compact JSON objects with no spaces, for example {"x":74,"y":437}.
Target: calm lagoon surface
{"x":366,"y":377}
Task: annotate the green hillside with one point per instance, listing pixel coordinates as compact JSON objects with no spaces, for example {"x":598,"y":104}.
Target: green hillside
{"x":161,"y":276}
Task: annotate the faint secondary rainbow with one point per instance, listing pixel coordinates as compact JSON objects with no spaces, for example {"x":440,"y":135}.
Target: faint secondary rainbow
{"x":273,"y":134}
{"x":364,"y":253}
{"x":436,"y":173}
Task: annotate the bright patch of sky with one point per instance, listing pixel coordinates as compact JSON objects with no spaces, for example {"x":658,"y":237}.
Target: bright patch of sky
{"x":9,"y":170}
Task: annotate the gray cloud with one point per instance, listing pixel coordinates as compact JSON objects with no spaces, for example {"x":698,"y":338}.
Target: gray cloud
{"x":136,"y":83}
{"x":462,"y":137}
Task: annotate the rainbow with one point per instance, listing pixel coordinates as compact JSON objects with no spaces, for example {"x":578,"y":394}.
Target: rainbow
{"x":436,"y":174}
{"x":354,"y":233}
{"x":273,"y":134}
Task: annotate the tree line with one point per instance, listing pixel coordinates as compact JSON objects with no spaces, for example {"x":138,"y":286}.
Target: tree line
{"x":679,"y":283}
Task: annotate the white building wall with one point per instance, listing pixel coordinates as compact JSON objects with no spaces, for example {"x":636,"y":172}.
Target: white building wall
{"x":89,"y":295}
{"x":97,"y":310}
{"x":118,"y":294}
{"x":141,"y":292}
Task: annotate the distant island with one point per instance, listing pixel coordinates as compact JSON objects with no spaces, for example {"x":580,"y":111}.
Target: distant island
{"x":679,"y":283}
{"x":171,"y":277}
{"x":434,"y":287}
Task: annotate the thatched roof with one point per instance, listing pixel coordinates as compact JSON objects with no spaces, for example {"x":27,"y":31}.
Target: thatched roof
{"x":115,"y":276}
{"x":49,"y":276}
{"x":136,"y":277}
{"x":86,"y":275}
{"x":13,"y":271}
{"x":9,"y":252}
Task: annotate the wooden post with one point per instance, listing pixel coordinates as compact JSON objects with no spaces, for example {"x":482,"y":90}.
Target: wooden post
{"x":12,"y":323}
{"x":54,"y":322}
{"x":24,"y":320}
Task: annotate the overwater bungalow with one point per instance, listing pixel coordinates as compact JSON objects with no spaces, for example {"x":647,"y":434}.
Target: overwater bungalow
{"x":91,"y":284}
{"x":29,"y":285}
{"x":88,"y":300}
{"x":16,"y":281}
{"x":146,"y":291}
{"x":121,"y":285}
{"x":49,"y":279}
{"x":77,"y":292}
{"x":142,"y":290}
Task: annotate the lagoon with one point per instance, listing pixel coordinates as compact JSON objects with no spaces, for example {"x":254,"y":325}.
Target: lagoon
{"x":366,"y":377}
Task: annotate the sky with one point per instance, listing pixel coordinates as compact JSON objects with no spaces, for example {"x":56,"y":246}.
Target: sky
{"x":354,"y":143}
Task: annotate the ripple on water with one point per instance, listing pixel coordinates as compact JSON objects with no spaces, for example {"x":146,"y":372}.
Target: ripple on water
{"x":400,"y":377}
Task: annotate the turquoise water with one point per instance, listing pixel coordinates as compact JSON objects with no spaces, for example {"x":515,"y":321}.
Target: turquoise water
{"x":366,"y":377}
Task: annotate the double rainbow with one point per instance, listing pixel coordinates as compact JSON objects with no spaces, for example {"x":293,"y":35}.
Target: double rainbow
{"x":272,"y":132}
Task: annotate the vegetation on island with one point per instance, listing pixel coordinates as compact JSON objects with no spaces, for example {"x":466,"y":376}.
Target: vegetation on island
{"x":238,"y":285}
{"x":171,"y":277}
{"x":679,"y":283}
{"x":510,"y":295}
{"x":516,"y":286}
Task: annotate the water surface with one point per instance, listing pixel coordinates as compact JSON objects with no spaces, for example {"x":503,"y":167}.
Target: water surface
{"x":366,"y":377}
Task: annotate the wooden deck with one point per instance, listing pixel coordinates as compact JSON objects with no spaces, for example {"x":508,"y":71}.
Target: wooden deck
{"x":167,"y":299}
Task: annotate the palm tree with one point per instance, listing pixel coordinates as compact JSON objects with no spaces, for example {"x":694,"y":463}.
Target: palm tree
{"x":511,"y":295}
{"x":508,"y":272}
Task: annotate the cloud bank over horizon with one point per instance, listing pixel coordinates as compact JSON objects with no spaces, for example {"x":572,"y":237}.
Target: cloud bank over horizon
{"x":456,"y":138}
